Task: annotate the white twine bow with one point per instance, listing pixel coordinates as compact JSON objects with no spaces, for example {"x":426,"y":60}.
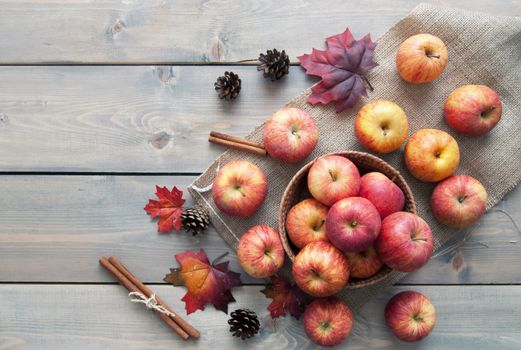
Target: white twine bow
{"x":150,"y":303}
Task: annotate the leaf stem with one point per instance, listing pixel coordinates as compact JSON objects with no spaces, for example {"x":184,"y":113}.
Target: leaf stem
{"x":368,"y":83}
{"x":433,"y":56}
{"x":219,"y":258}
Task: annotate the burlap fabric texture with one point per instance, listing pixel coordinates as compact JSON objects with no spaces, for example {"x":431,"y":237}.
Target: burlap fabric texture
{"x":483,"y":49}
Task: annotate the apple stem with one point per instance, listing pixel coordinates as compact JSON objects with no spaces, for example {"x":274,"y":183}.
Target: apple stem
{"x":317,"y":227}
{"x":333,"y":176}
{"x":240,"y":191}
{"x":433,"y":56}
{"x":490,"y":109}
{"x":368,"y":83}
{"x":219,"y":258}
{"x":417,"y":317}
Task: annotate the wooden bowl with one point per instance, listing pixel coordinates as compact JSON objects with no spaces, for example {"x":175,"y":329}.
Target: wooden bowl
{"x":297,"y":190}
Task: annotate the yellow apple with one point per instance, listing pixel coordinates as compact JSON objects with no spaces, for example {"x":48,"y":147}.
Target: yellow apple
{"x":421,"y":58}
{"x":381,"y":126}
{"x":431,"y":155}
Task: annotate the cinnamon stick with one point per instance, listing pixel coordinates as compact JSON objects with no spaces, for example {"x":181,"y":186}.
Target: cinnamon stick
{"x":235,"y":139}
{"x":237,"y":143}
{"x":133,"y":288}
{"x":187,"y":327}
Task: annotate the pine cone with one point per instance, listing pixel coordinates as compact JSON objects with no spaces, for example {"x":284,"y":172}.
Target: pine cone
{"x":244,"y":323}
{"x":195,"y":219}
{"x":228,"y":85}
{"x":274,"y":64}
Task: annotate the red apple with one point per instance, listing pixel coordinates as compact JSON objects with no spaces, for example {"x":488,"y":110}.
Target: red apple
{"x":306,"y":222}
{"x":320,"y":269}
{"x":384,"y":194}
{"x":363,"y":264}
{"x":332,"y":178}
{"x":459,"y":201}
{"x":405,"y":242}
{"x":352,"y":224}
{"x":328,"y":321}
{"x":239,"y":188}
{"x":473,"y":110}
{"x":381,"y":126}
{"x":290,"y":135}
{"x":410,"y":315}
{"x":260,"y":251}
{"x":431,"y":155}
{"x":421,"y":58}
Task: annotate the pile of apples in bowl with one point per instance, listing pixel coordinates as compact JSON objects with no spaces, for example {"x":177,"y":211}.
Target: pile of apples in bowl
{"x":338,"y":223}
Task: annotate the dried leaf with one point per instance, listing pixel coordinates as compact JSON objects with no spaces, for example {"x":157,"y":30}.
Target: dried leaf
{"x":206,"y":284}
{"x":168,"y":208}
{"x":342,"y":67}
{"x":285,"y":298}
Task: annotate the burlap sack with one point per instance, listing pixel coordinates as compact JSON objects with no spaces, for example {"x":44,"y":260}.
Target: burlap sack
{"x":483,"y":49}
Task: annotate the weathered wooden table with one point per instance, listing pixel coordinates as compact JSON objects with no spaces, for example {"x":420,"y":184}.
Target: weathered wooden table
{"x":100,"y":101}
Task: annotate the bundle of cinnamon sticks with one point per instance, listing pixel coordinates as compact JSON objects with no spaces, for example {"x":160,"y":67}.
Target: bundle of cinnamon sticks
{"x":133,"y":284}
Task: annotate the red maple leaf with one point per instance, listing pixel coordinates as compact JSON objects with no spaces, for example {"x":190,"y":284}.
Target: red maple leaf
{"x":285,"y":297}
{"x":168,"y":208}
{"x":342,"y":67}
{"x":206,"y":284}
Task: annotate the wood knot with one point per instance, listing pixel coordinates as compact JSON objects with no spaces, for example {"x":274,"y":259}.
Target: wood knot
{"x":116,"y":28}
{"x":217,"y":49}
{"x":166,"y":74}
{"x":3,"y":118}
{"x":458,"y":261}
{"x":160,"y":139}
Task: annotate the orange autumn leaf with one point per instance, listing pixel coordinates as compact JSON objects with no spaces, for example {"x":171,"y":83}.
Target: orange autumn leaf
{"x":206,"y":283}
{"x":168,"y":208}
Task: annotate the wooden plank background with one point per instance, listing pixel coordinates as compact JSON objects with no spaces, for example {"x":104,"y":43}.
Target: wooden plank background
{"x":127,"y":119}
{"x":100,"y":317}
{"x":148,"y":31}
{"x":80,"y":218}
{"x":100,"y":101}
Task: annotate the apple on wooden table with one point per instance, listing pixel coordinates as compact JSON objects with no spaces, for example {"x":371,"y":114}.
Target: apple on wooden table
{"x":473,"y":110}
{"x":239,"y":188}
{"x":328,"y":321}
{"x":410,"y":315}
